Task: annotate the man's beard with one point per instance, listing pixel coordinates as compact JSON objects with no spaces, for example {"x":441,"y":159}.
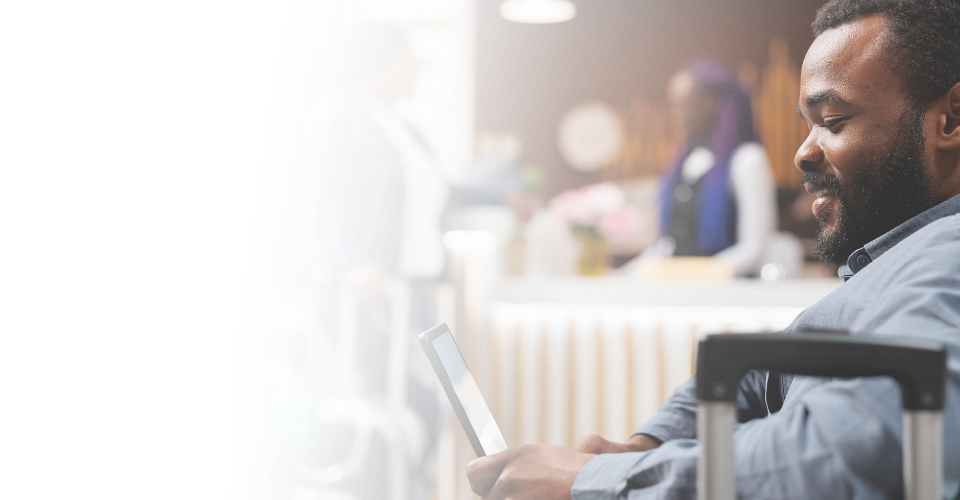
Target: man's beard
{"x":885,"y":192}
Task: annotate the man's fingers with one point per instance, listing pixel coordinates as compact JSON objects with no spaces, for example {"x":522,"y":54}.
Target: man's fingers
{"x":481,"y":489}
{"x":591,"y":444}
{"x":596,"y":445}
{"x":484,"y":471}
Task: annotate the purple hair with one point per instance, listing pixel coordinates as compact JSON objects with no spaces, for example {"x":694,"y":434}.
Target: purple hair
{"x":733,"y":125}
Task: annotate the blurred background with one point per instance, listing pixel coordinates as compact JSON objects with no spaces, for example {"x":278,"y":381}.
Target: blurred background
{"x":574,"y":325}
{"x":493,"y":87}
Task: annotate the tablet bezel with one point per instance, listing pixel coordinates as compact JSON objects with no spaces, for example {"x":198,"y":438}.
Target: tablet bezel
{"x":426,"y":340}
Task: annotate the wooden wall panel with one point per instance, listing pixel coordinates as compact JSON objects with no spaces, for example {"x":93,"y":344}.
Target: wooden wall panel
{"x":623,"y":52}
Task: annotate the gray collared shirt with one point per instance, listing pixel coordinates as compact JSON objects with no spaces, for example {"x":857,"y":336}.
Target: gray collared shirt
{"x":832,"y":438}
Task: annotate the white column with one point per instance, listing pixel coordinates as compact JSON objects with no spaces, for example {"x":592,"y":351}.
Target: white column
{"x":443,"y":33}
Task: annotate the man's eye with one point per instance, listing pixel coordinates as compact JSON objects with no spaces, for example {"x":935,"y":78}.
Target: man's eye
{"x":829,"y":123}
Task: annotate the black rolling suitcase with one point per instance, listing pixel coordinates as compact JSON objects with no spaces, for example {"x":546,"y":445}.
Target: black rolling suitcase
{"x":369,"y":448}
{"x":918,"y":366}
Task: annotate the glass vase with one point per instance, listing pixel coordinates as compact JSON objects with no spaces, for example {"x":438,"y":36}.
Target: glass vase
{"x":593,"y":253}
{"x":514,"y":255}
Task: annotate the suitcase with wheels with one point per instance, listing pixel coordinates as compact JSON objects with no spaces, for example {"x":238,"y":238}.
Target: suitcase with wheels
{"x":918,"y":366}
{"x":369,"y":447}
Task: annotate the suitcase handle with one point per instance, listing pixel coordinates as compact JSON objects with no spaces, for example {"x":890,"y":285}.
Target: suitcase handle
{"x":399,"y":293}
{"x":918,"y":366}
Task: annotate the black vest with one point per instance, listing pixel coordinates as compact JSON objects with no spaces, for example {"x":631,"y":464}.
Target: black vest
{"x":684,"y":224}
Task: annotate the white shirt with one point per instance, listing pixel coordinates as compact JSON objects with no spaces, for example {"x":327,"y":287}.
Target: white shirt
{"x":751,"y":181}
{"x":425,"y":196}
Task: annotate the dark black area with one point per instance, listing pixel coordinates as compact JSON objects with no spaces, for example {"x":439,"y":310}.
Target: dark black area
{"x":683,"y":220}
{"x":805,"y":227}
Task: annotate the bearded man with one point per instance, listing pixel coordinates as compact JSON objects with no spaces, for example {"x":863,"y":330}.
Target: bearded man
{"x":880,"y":93}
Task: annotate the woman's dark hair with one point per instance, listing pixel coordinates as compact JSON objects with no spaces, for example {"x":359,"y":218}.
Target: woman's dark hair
{"x":361,"y":51}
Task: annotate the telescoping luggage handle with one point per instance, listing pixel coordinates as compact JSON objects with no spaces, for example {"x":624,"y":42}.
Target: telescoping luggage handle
{"x":399,"y":293}
{"x":918,"y":366}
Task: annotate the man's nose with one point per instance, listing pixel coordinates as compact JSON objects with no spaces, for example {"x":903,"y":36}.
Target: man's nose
{"x":810,"y":155}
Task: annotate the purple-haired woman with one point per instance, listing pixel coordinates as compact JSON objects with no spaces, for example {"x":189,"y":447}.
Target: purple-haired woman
{"x":717,"y":198}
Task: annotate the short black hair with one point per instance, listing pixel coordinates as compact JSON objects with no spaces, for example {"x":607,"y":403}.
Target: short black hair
{"x":925,"y":47}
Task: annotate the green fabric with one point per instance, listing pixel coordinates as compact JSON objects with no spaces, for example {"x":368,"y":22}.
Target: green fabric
{"x":278,"y":428}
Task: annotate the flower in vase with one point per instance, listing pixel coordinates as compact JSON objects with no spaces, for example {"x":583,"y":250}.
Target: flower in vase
{"x":572,"y":208}
{"x":619,"y":225}
{"x":600,"y":210}
{"x":603,"y":199}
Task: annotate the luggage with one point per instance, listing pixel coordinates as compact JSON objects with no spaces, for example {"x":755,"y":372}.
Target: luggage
{"x":369,"y":448}
{"x":920,"y":367}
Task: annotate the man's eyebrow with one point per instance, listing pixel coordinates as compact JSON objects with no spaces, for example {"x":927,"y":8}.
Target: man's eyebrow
{"x":828,"y":96}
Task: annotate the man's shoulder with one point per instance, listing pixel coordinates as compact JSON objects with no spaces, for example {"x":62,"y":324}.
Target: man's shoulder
{"x":939,"y":238}
{"x":947,"y":221}
{"x":912,"y":289}
{"x":929,"y":255}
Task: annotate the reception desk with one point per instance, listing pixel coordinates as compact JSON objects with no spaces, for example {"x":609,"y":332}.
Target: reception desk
{"x":798,"y":293}
{"x":566,"y":357}
{"x":559,"y":358}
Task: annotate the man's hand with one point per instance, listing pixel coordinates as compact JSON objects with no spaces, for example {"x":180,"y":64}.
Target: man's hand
{"x":532,"y":471}
{"x":368,"y":281}
{"x":597,"y":445}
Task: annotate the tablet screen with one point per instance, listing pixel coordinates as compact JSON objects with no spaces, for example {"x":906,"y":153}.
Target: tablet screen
{"x":491,"y":439}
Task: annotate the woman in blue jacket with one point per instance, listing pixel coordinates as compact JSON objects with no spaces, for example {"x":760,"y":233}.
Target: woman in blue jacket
{"x":370,"y":197}
{"x":717,"y":197}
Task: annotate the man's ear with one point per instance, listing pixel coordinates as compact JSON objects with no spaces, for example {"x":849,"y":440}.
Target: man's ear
{"x":948,"y":124}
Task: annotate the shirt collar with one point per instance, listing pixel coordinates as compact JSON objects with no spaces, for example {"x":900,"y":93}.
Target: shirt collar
{"x":873,"y":250}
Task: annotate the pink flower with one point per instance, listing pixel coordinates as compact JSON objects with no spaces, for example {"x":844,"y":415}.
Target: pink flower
{"x":600,"y":206}
{"x":571,"y":208}
{"x":620,"y":225}
{"x":604,"y":198}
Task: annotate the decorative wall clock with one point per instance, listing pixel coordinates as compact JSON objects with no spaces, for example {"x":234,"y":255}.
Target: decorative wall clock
{"x":590,"y":136}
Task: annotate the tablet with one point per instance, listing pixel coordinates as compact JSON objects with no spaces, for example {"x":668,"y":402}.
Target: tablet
{"x":462,"y":390}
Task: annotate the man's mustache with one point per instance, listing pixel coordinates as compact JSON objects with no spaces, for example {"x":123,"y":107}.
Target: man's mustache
{"x":822,"y":181}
